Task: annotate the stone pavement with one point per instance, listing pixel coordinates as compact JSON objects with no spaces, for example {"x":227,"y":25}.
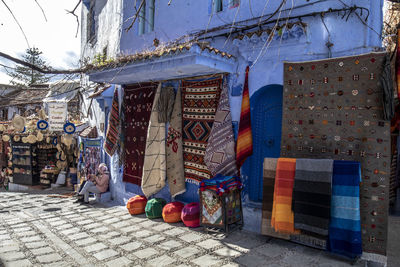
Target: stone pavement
{"x":38,"y":230}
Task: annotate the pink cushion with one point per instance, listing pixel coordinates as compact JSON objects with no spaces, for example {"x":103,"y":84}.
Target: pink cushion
{"x":191,"y":215}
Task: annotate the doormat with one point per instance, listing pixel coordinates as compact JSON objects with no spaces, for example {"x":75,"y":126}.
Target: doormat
{"x":138,"y":101}
{"x":333,"y":109}
{"x":199,"y":104}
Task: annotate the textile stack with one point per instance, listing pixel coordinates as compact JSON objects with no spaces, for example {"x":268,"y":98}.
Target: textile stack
{"x":315,"y":201}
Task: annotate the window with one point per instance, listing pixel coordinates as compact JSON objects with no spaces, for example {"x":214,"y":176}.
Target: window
{"x":91,"y":24}
{"x":217,"y":5}
{"x":146,"y":16}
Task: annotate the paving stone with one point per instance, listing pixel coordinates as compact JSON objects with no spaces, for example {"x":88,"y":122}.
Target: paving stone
{"x":271,"y":250}
{"x":161,"y":261}
{"x":131,"y":246}
{"x":30,"y":239}
{"x":105,"y":254}
{"x":105,"y":217}
{"x":49,"y":258}
{"x":174,"y":232}
{"x":232,"y":264}
{"x":112,"y":220}
{"x":121,"y":224}
{"x":21,"y":225}
{"x":12,"y":256}
{"x":154,"y":238}
{"x":110,"y":235}
{"x":84,"y":222}
{"x":52,"y":219}
{"x":9,"y":248}
{"x":92,"y":226}
{"x":187,"y":252}
{"x":76,"y":219}
{"x":78,"y":236}
{"x":41,"y":251}
{"x":251,"y":260}
{"x":36,"y":244}
{"x":122,"y":261}
{"x":95,"y":247}
{"x":57,"y":223}
{"x":138,"y":219}
{"x":69,"y":231}
{"x":22,"y":229}
{"x":3,"y":232}
{"x":100,"y":230}
{"x":145,"y":253}
{"x":57,"y":264}
{"x":148,"y":224}
{"x":209,"y":243}
{"x":29,"y":233}
{"x":19,"y":263}
{"x":227,"y":252}
{"x":5,"y":237}
{"x":126,"y":216}
{"x":119,"y":240}
{"x":171,"y":244}
{"x":63,"y":227}
{"x":86,"y":241}
{"x":72,"y":216}
{"x":191,"y":237}
{"x":208,"y":260}
{"x":162,"y":227}
{"x":142,"y":233}
{"x":130,"y":229}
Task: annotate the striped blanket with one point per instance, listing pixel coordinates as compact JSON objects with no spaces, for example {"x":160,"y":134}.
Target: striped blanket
{"x":244,"y":144}
{"x":345,"y":226}
{"x":268,"y":198}
{"x":112,"y":136}
{"x":282,"y":219}
{"x":312,"y":198}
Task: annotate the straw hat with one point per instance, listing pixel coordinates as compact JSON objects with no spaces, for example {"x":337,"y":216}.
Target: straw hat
{"x":42,"y":114}
{"x":6,"y":138}
{"x":39,"y":136}
{"x":63,"y":157}
{"x":19,"y":123}
{"x":2,"y":128}
{"x":24,"y":139}
{"x":48,"y":139}
{"x":31,"y":139}
{"x":17,"y":138}
{"x":67,"y":139}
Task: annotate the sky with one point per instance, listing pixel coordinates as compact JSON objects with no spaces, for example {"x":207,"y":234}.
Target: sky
{"x":55,"y":38}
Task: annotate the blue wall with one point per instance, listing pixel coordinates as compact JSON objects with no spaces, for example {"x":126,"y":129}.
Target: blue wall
{"x":348,"y":35}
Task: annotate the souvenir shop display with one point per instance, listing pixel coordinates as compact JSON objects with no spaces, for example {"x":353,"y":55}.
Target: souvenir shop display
{"x":24,"y":167}
{"x":221,"y":203}
{"x":48,"y":175}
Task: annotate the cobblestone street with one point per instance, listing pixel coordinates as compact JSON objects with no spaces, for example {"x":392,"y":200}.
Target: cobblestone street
{"x":39,"y":230}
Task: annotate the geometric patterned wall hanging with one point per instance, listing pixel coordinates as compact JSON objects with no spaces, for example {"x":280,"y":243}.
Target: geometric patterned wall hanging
{"x":333,"y":109}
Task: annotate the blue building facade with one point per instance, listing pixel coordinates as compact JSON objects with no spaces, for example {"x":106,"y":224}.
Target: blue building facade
{"x":260,"y":34}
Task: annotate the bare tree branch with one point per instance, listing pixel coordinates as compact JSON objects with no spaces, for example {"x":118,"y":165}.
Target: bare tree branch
{"x":45,"y":71}
{"x":72,"y":12}
{"x":19,"y":25}
{"x":136,"y":15}
{"x":44,"y":14}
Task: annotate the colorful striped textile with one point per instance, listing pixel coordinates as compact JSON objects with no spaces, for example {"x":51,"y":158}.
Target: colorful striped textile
{"x":345,"y":226}
{"x":398,"y":63}
{"x":268,"y":198}
{"x":220,"y":155}
{"x":282,"y":219}
{"x":244,"y":145}
{"x":112,"y":136}
{"x":199,"y":104}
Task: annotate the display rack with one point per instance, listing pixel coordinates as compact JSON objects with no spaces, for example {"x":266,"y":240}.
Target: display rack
{"x":24,"y":167}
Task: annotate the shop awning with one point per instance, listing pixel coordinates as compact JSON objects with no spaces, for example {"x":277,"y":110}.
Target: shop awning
{"x":176,"y":62}
{"x":62,"y":91}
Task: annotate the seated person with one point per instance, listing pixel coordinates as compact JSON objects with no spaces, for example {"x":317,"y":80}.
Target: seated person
{"x":96,"y":183}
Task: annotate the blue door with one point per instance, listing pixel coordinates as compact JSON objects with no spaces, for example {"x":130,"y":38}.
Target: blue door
{"x":266,"y":126}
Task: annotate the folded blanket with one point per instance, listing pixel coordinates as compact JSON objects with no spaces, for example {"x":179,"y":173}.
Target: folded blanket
{"x":312,"y":195}
{"x":268,"y":198}
{"x":282,"y":219}
{"x":345,"y":226}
